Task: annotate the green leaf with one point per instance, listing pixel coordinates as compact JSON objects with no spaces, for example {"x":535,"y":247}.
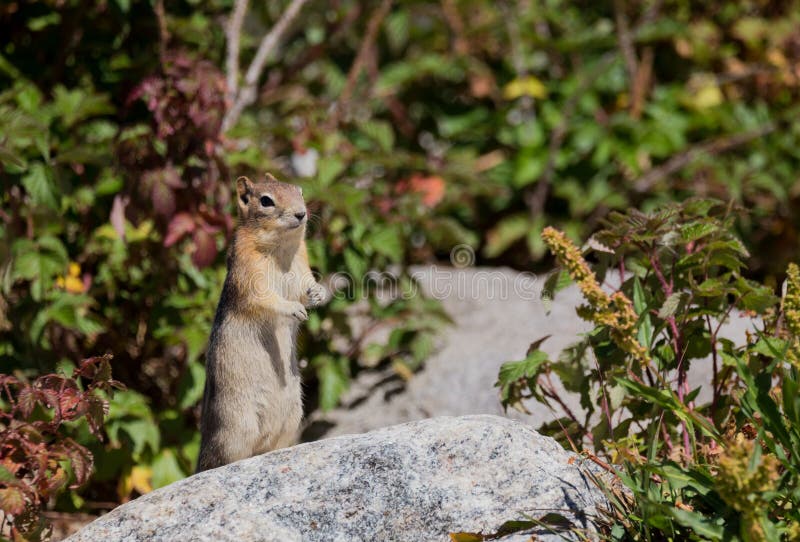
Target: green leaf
{"x":698,"y":523}
{"x":39,"y":262}
{"x":713,"y":287}
{"x":526,"y":368}
{"x":755,"y":297}
{"x":355,"y":264}
{"x":386,"y":240}
{"x":508,"y":231}
{"x":697,"y":230}
{"x":6,"y":475}
{"x":380,"y":131}
{"x":334,"y":379}
{"x":38,"y":182}
{"x":78,"y":104}
{"x":166,"y":468}
{"x":328,"y":169}
{"x":670,"y":306}
{"x":191,"y":385}
{"x":772,"y":347}
{"x":554,"y":283}
{"x":8,"y":156}
{"x":645,"y":329}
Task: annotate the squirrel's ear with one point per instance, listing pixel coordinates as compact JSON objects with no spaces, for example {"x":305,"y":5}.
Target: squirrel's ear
{"x":244,"y":191}
{"x":270,"y":177}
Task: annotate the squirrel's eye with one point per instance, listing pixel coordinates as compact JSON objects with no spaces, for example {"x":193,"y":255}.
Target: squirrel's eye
{"x":266,"y":201}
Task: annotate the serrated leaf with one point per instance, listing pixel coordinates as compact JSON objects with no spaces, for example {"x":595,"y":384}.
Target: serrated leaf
{"x":81,"y":462}
{"x":670,"y":306}
{"x":697,"y":230}
{"x":12,"y":500}
{"x":594,"y":244}
{"x":526,"y":368}
{"x":39,"y":184}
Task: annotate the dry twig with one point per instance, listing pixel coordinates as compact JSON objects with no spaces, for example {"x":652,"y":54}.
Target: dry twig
{"x":163,"y":33}
{"x":364,"y":51}
{"x":233,"y":33}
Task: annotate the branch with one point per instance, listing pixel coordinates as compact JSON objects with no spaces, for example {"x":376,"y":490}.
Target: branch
{"x":163,"y":33}
{"x":709,"y":147}
{"x":233,"y":34}
{"x":625,"y":39}
{"x":247,"y":94}
{"x":333,"y":31}
{"x":373,"y":26}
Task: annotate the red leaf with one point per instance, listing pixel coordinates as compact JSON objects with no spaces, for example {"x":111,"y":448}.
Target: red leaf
{"x":163,"y":199}
{"x":81,"y":460}
{"x":55,"y":480}
{"x":117,"y":217}
{"x":72,"y":403}
{"x":26,"y":400}
{"x":170,"y":177}
{"x":97,"y":408}
{"x":95,"y":367}
{"x":180,"y":225}
{"x":205,"y":248}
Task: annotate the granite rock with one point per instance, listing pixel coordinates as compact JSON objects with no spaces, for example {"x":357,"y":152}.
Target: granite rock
{"x":412,"y":482}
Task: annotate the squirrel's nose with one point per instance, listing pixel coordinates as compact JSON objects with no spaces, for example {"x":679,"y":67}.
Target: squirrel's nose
{"x":300,"y":216}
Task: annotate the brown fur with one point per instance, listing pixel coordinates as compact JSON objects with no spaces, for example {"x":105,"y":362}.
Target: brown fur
{"x":252,"y":401}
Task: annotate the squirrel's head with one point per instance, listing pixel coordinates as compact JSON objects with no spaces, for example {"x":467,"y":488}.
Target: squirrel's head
{"x":271,"y":206}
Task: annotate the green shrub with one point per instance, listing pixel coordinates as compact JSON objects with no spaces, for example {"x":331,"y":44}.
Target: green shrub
{"x":725,"y":468}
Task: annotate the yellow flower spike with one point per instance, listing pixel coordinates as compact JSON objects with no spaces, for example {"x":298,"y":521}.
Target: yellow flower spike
{"x":615,"y":312}
{"x":791,"y":300}
{"x":743,"y":487}
{"x":790,"y":305}
{"x":569,"y":256}
{"x":74,"y":269}
{"x":525,"y":86}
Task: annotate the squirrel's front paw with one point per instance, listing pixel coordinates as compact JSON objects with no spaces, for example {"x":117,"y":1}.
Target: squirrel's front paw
{"x":317,"y":295}
{"x":295,"y":310}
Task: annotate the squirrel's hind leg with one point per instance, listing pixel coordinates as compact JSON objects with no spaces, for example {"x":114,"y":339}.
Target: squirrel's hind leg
{"x":235,"y":441}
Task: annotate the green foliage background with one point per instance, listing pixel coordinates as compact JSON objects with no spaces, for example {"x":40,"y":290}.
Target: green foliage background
{"x":461,"y":122}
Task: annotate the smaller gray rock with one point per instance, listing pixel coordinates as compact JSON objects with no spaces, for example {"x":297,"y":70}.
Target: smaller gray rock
{"x":416,"y":482}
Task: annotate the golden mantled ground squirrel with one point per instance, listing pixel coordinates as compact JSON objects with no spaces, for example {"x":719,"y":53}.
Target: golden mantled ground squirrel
{"x":252,"y":401}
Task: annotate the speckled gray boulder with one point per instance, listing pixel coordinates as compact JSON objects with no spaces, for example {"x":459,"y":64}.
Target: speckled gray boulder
{"x":412,"y":482}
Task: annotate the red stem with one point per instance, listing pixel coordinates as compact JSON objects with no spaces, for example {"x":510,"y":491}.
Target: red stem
{"x":683,"y":385}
